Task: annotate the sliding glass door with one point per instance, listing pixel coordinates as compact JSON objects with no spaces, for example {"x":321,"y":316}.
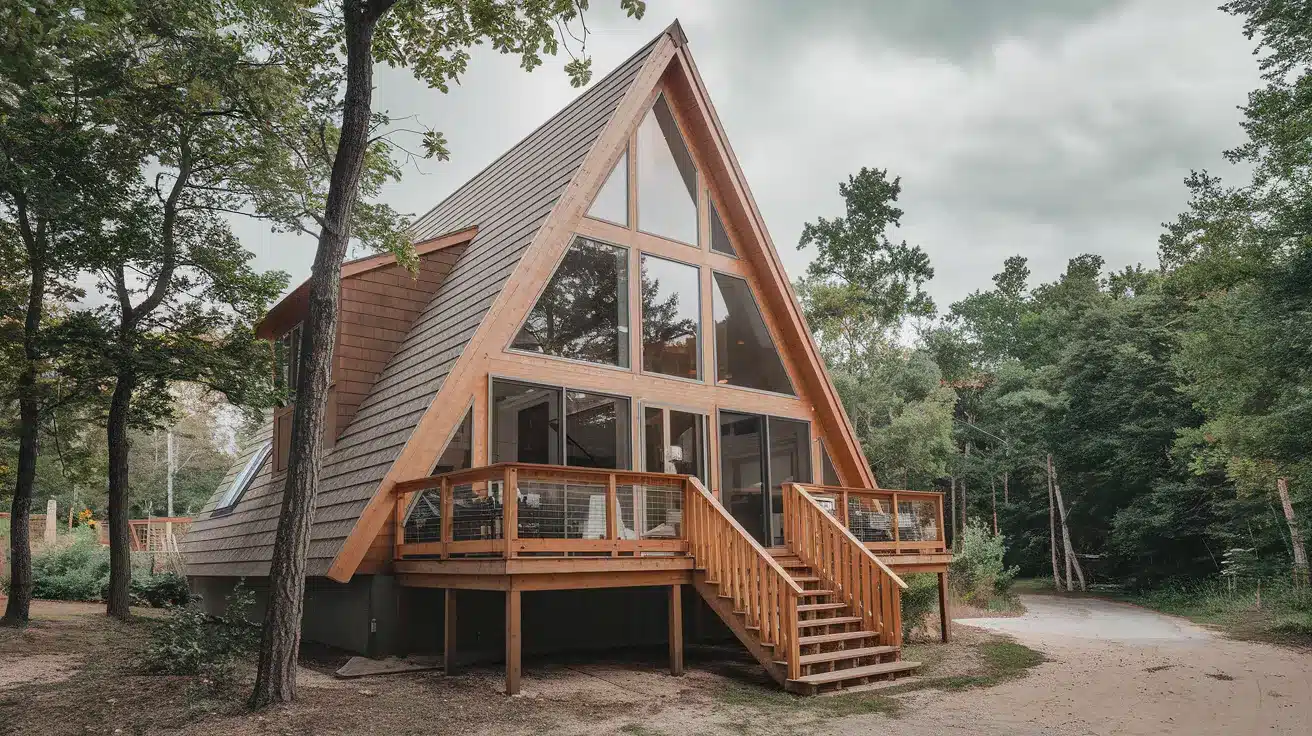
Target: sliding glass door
{"x":759,"y":452}
{"x":526,"y":426}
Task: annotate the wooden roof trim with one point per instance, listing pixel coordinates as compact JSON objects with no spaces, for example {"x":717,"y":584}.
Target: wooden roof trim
{"x":548,"y":244}
{"x":284,"y":315}
{"x":775,"y":272}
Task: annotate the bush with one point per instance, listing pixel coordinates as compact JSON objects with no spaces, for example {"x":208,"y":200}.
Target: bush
{"x":978,"y":573}
{"x":160,"y":590}
{"x":918,"y":600}
{"x":77,"y":569}
{"x":188,"y":641}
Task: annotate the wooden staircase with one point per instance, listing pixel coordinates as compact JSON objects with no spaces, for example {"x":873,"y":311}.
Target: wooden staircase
{"x":820,"y":618}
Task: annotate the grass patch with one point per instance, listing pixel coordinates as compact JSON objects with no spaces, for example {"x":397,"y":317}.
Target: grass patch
{"x":1281,"y":615}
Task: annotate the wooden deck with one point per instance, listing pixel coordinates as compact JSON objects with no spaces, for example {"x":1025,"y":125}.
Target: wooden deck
{"x":821,"y":612}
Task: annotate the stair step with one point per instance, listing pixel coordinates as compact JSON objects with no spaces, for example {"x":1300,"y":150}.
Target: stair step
{"x":805,"y":578}
{"x":831,"y":638}
{"x":779,"y":552}
{"x":829,"y":621}
{"x":821,"y":607}
{"x":842,"y":654}
{"x":815,"y":593}
{"x":852,"y":673}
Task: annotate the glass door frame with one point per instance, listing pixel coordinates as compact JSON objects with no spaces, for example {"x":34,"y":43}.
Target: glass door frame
{"x":641,"y":420}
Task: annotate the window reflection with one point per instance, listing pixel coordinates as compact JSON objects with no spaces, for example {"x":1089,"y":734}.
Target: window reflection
{"x":583,"y":313}
{"x":612,"y":202}
{"x":745,"y":355}
{"x":671,"y":318}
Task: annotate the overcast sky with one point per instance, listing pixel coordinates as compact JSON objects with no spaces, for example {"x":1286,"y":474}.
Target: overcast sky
{"x":1047,"y":128}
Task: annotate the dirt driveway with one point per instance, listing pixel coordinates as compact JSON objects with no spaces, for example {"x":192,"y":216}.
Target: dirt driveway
{"x":1111,"y":669}
{"x":1120,"y":669}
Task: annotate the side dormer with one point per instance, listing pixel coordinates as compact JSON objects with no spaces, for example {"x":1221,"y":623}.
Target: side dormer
{"x":380,"y":300}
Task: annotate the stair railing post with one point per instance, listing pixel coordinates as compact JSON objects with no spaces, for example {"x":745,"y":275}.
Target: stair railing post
{"x":612,"y":514}
{"x":510,"y":510}
{"x":897,"y":522}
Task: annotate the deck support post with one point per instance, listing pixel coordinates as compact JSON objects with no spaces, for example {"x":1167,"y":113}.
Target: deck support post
{"x":512,"y":641}
{"x":945,"y":622}
{"x":676,"y":630}
{"x":449,"y":633}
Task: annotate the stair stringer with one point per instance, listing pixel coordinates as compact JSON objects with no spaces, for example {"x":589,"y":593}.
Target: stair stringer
{"x":723,"y":607}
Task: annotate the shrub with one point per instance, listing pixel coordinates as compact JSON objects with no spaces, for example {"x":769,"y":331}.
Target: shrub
{"x":978,"y":572}
{"x":77,"y":569}
{"x":160,"y":590}
{"x":188,"y":641}
{"x":918,"y":600}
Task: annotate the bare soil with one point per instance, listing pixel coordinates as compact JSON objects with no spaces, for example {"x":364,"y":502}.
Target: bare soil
{"x":74,"y":671}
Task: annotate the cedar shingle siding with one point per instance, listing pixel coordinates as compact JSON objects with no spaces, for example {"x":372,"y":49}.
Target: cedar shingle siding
{"x":508,"y":202}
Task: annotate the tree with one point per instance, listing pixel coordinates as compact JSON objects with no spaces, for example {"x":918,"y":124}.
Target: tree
{"x":58,"y":171}
{"x":432,"y":37}
{"x":859,"y":273}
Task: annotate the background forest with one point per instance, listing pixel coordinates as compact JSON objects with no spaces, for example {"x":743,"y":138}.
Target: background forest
{"x":1167,"y":409}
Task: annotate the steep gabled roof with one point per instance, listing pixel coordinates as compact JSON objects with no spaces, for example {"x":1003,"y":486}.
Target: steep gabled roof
{"x":508,"y":202}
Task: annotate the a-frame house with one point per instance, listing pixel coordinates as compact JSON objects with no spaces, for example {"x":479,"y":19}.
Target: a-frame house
{"x":597,"y":391}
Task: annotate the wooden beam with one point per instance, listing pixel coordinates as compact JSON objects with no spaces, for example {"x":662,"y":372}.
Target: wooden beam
{"x":945,"y":622}
{"x":449,"y":634}
{"x":676,"y":630}
{"x":513,"y":633}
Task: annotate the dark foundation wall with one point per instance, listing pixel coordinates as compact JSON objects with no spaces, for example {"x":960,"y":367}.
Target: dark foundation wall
{"x":552,"y":621}
{"x":359,"y":616}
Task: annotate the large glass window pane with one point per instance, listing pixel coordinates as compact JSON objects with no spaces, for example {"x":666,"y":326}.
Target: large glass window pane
{"x":667,"y":178}
{"x":671,"y":318}
{"x":742,"y":471}
{"x":525,"y":423}
{"x":612,"y":202}
{"x":584,"y":311}
{"x":745,"y":354}
{"x":720,"y":242}
{"x":790,"y":462}
{"x":596,"y":431}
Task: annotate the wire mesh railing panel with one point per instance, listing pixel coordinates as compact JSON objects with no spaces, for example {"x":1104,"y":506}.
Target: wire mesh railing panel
{"x":917,"y":521}
{"x":649,"y":511}
{"x":476,"y":511}
{"x":561,"y":510}
{"x":868,"y":518}
{"x":423,"y":519}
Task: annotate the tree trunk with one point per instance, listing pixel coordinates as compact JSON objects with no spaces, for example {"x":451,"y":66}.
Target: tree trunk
{"x":18,"y":609}
{"x":963,"y":491}
{"x":119,"y":598}
{"x":1052,"y":528}
{"x":1071,"y":559}
{"x":993,"y":488}
{"x":953,"y":516}
{"x":1295,"y":534}
{"x":275,"y":677}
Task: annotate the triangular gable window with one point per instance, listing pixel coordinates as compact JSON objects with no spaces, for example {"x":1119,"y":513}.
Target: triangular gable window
{"x":720,"y":242}
{"x":612,"y":202}
{"x":667,"y":178}
{"x":244,"y":478}
{"x":583,"y":314}
{"x":745,"y":354}
{"x":828,"y":474}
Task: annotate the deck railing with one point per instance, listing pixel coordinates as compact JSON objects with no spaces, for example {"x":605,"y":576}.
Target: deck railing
{"x":866,"y":585}
{"x":523,"y":510}
{"x":917,"y":526}
{"x":745,"y":571}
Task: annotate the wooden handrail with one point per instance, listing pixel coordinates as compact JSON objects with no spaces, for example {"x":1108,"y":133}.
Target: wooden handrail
{"x":745,"y":571}
{"x":511,"y":476}
{"x":893,"y":498}
{"x":862,"y":579}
